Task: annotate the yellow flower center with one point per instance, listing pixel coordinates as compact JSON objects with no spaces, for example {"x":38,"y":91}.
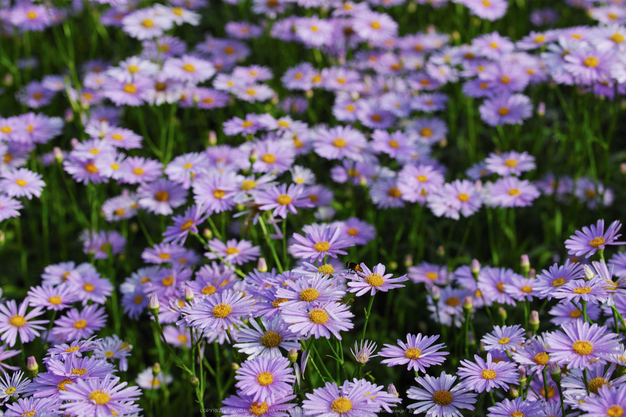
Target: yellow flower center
{"x":21,"y":183}
{"x":322,"y":246}
{"x":527,"y":289}
{"x":505,"y":80}
{"x":575,"y":314}
{"x":177,"y":11}
{"x":222,"y":310}
{"x":511,"y":163}
{"x":582,"y":347}
{"x":209,"y":289}
{"x":138,"y":171}
{"x":394,"y":192}
{"x":375,"y":25}
{"x":309,"y":294}
{"x":519,"y":413}
{"x":486,"y":3}
{"x":219,"y":194}
{"x":256,"y":408}
{"x":375,"y":280}
{"x":88,"y":287}
{"x":138,"y":299}
{"x":339,"y":143}
{"x":189,"y":68}
{"x":6,"y":129}
{"x":617,"y":38}
{"x":247,"y":124}
{"x":10,"y":390}
{"x":503,"y":111}
{"x":268,"y":158}
{"x":591,"y":62}
{"x":168,"y":281}
{"x":582,"y":290}
{"x":463,"y":197}
{"x":615,"y":411}
{"x":80,"y":324}
{"x":187,"y":225}
{"x":558,"y":282}
{"x":182,"y":338}
{"x":453,"y":301}
{"x":326,"y":269}
{"x":120,"y":211}
{"x":130,"y":89}
{"x":493,"y":45}
{"x":442,"y":397}
{"x":412,"y":353}
{"x":100,"y":397}
{"x":72,"y":349}
{"x":318,"y":316}
{"x":17,"y":321}
{"x":342,"y":405}
{"x":504,"y":340}
{"x":278,"y":302}
{"x":432,"y":275}
{"x":271,"y":339}
{"x":488,"y":374}
{"x":79,"y":371}
{"x":596,"y":383}
{"x":541,"y":358}
{"x":55,"y":300}
{"x":61,"y":385}
{"x":133,"y":69}
{"x":265,"y":378}
{"x":91,"y":168}
{"x":147,"y":23}
{"x":514,"y":191}
{"x":539,"y":39}
{"x":231,"y":251}
{"x":597,"y":242}
{"x":283,"y":200}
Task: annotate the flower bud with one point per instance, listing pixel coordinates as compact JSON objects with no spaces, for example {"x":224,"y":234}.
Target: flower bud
{"x":74,"y":142}
{"x":475,"y":268}
{"x":391,"y":389}
{"x":69,"y":115}
{"x":235,"y":366}
{"x":622,"y":168}
{"x":58,"y":154}
{"x":468,"y":304}
{"x":532,"y":273}
{"x":32,"y":366}
{"x":194,"y":381}
{"x":522,"y":376}
{"x":292,"y":355}
{"x":408,"y":260}
{"x":261,"y":265}
{"x":502,"y":314}
{"x":514,"y":391}
{"x":534,"y":321}
{"x":254,"y":155}
{"x":471,"y":340}
{"x":435,"y":293}
{"x":188,"y":294}
{"x":441,"y":251}
{"x":212,"y":138}
{"x":525,"y":265}
{"x":156,"y":369}
{"x":555,"y":372}
{"x":541,"y":109}
{"x":589,"y":274}
{"x":153,"y":304}
{"x":134,"y":227}
{"x":393,"y":265}
{"x":7,"y":81}
{"x":207,"y":233}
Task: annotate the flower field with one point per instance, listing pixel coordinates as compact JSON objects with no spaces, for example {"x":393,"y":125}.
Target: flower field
{"x":290,"y":208}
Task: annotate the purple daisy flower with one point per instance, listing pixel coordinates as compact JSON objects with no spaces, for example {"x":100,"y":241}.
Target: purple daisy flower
{"x":504,"y":338}
{"x":274,"y":156}
{"x":569,"y":313}
{"x":100,"y":396}
{"x":517,"y":407}
{"x":139,"y":170}
{"x":15,"y":321}
{"x":506,"y":109}
{"x":511,"y":192}
{"x":219,"y":311}
{"x":349,"y":400}
{"x":80,"y":324}
{"x":237,"y":253}
{"x":491,"y":282}
{"x":488,"y":375}
{"x":419,"y":352}
{"x":581,"y":344}
{"x":6,"y":354}
{"x":21,"y":183}
{"x":265,"y":378}
{"x":52,"y":298}
{"x":31,"y":405}
{"x":339,"y":142}
{"x":161,"y":196}
{"x":188,"y":68}
{"x":549,"y":280}
{"x":307,"y":292}
{"x":487,"y":9}
{"x":510,"y":163}
{"x":367,"y":280}
{"x":320,"y":321}
{"x":372,"y":26}
{"x":595,"y":290}
{"x":9,"y":207}
{"x":266,"y":340}
{"x":242,"y":405}
{"x":213,"y":191}
{"x":185,"y":224}
{"x":319,"y":242}
{"x":438,"y":397}
{"x":133,"y":93}
{"x":455,"y":198}
{"x":593,"y":238}
{"x":89,"y":286}
{"x":611,"y":401}
{"x":386,"y":194}
{"x":360,"y":232}
{"x":282,"y":199}
{"x":534,"y":354}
